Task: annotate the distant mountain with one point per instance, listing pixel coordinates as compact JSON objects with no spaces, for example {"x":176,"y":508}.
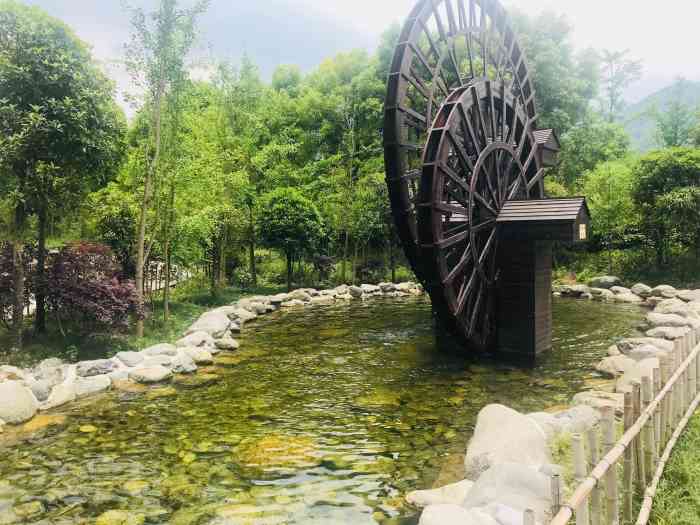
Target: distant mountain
{"x":641,"y":127}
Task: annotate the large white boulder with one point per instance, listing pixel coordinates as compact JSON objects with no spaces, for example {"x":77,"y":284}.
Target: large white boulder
{"x":664,"y":290}
{"x":453,"y":493}
{"x":504,"y":435}
{"x":515,"y":485}
{"x":87,"y":386}
{"x":226,"y":343}
{"x":617,"y":290}
{"x":655,"y":319}
{"x":202,"y":339}
{"x":153,"y":374}
{"x":689,"y":295}
{"x":628,"y":297}
{"x":356,"y":292}
{"x":451,"y":514}
{"x":676,"y":306}
{"x":96,"y":367}
{"x":182,"y":363}
{"x":215,"y":324}
{"x":300,"y":295}
{"x":243,"y":316}
{"x":598,"y":399}
{"x":61,"y":394}
{"x":642,"y":352}
{"x":160,"y":349}
{"x":668,"y":332}
{"x":615,"y":366}
{"x":628,"y":344}
{"x":200,"y":356}
{"x":604,"y":281}
{"x":130,"y":358}
{"x":641,"y":289}
{"x":17,"y":403}
{"x":643,"y":368}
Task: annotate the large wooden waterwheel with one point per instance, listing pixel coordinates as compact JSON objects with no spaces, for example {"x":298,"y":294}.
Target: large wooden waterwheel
{"x":460,"y":142}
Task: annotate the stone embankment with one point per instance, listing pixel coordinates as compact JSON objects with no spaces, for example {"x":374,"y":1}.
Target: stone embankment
{"x":509,"y":460}
{"x":52,"y":383}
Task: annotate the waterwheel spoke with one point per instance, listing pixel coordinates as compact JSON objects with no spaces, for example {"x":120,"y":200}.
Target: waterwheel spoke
{"x":465,"y":292}
{"x":462,"y":154}
{"x":479,"y":116}
{"x":536,"y":179}
{"x":476,"y":308}
{"x":488,"y":245}
{"x":476,"y":228}
{"x":454,"y":239}
{"x":460,"y":266}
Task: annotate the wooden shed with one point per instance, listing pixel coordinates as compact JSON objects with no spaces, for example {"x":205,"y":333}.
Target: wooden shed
{"x":549,"y":147}
{"x":565,"y":220}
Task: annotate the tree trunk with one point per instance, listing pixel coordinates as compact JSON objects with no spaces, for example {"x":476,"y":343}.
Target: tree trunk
{"x":167,"y":253}
{"x":214,"y":275}
{"x":354,"y":265}
{"x":346,"y":247}
{"x":392,"y":260}
{"x":18,"y":278}
{"x":40,"y":296}
{"x":251,"y":224}
{"x":290,"y":269}
{"x":222,"y":258}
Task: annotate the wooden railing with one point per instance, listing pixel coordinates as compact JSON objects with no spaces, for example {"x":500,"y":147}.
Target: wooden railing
{"x":656,"y":410}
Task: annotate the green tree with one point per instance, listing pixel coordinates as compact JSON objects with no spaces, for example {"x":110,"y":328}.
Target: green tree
{"x":608,"y":189}
{"x":618,"y":72}
{"x":591,"y":141}
{"x":61,"y":132}
{"x":155,"y":58}
{"x":667,"y":190}
{"x":292,"y":225}
{"x":674,"y":125}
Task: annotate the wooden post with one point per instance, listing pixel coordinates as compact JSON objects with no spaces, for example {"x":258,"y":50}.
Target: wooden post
{"x":649,"y":445}
{"x":666,"y":402}
{"x":627,"y":463}
{"x":556,"y":494}
{"x":582,"y":516}
{"x":692,"y":381}
{"x":656,"y":383}
{"x":529,"y":517}
{"x":611,"y":497}
{"x":593,"y":458}
{"x":638,"y":444}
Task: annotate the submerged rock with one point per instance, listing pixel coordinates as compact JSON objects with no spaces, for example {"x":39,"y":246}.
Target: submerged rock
{"x":120,"y":517}
{"x":504,"y":435}
{"x":17,"y":403}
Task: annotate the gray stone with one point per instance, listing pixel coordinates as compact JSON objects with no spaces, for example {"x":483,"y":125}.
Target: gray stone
{"x":689,"y":296}
{"x":199,"y":355}
{"x":341,"y":290}
{"x":258,"y":307}
{"x":586,"y":296}
{"x":629,"y":298}
{"x":641,"y":369}
{"x":604,"y":281}
{"x":620,"y":290}
{"x":664,"y":290}
{"x":202,"y":339}
{"x":213,"y":323}
{"x":628,"y":344}
{"x":653,"y":301}
{"x":279,"y":298}
{"x":161,"y":349}
{"x":235,"y":328}
{"x":387,"y":287}
{"x":452,"y":493}
{"x":17,"y":403}
{"x":641,"y":289}
{"x":228,"y":310}
{"x":61,"y":394}
{"x":41,"y":388}
{"x":119,"y":375}
{"x":668,"y":332}
{"x":655,"y":319}
{"x":154,"y":374}
{"x":87,"y":386}
{"x":323,"y":299}
{"x":300,"y":295}
{"x":577,"y":419}
{"x":330,"y":292}
{"x":599,"y":399}
{"x":515,"y":485}
{"x":157,"y":360}
{"x":493,"y":443}
{"x":243,"y":316}
{"x":615,"y":366}
{"x":643,"y":352}
{"x":130,"y":358}
{"x":183,"y":364}
{"x":613,"y":350}
{"x":370,"y":288}
{"x":97,"y":367}
{"x":226,"y":343}
{"x":51,"y":370}
{"x":356,"y":292}
{"x":451,"y":514}
{"x":676,"y":306}
{"x":292,"y":303}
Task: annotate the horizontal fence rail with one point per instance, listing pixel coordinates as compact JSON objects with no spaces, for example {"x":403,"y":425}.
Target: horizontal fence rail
{"x":656,"y":411}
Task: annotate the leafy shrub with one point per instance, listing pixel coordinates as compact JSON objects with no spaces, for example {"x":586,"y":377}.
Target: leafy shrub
{"x":84,"y":286}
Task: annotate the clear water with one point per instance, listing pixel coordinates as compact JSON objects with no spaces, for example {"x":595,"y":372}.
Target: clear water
{"x":326,"y":415}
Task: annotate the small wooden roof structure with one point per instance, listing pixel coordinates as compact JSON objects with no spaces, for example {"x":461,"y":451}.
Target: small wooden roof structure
{"x":564,"y":219}
{"x":549,"y":146}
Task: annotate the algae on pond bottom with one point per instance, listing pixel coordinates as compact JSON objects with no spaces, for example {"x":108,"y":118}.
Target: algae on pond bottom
{"x":325,"y":415}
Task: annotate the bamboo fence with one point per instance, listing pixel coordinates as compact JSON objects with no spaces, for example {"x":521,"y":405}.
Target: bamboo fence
{"x":656,"y":411}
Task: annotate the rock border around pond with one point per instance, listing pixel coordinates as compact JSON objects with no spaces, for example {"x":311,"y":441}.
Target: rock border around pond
{"x":510,"y":458}
{"x":52,"y":383}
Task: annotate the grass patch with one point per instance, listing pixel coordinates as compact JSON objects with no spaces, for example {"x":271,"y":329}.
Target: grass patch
{"x":188,"y":301}
{"x":677,"y":501}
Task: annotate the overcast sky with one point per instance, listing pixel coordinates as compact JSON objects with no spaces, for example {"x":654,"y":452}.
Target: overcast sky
{"x":663,"y":35}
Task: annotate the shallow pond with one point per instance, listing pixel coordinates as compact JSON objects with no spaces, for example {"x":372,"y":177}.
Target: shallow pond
{"x":326,"y":415}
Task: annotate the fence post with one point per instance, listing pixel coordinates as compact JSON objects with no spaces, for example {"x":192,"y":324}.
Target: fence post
{"x":627,"y":463}
{"x":555,"y":487}
{"x":649,"y":445}
{"x":656,"y":390}
{"x":666,"y":401}
{"x":593,"y":458}
{"x":580,"y":475}
{"x":638,"y":444}
{"x":529,"y":517}
{"x":611,"y":497}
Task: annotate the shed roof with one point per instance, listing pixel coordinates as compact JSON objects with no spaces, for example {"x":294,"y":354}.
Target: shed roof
{"x":567,"y":209}
{"x":547,"y":138}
